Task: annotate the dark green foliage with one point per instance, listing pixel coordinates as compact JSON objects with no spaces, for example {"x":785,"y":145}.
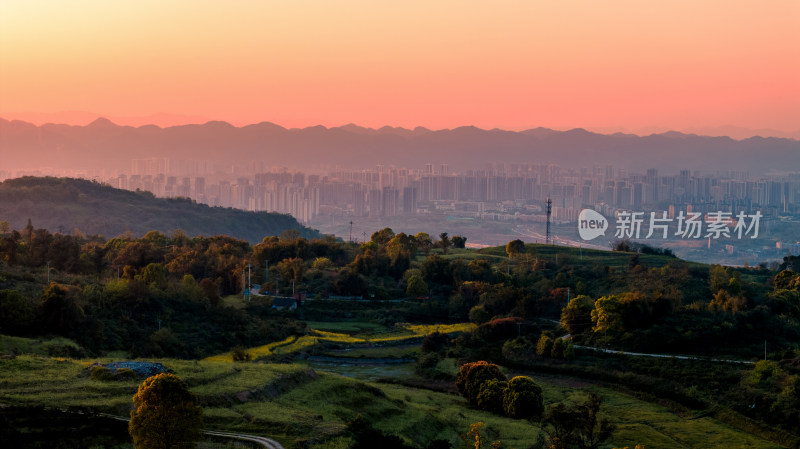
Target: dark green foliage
{"x":472,"y":376}
{"x":17,"y":312}
{"x":240,"y":354}
{"x":439,"y":444}
{"x":426,"y":364}
{"x":576,"y":318}
{"x":366,"y":437}
{"x":492,"y":396}
{"x":515,"y":247}
{"x":544,"y":347}
{"x":523,"y":399}
{"x":349,"y":283}
{"x":577,"y":425}
{"x":435,"y":342}
{"x":101,"y":373}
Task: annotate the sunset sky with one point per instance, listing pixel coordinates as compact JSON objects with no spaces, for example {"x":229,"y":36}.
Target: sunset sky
{"x":607,"y":65}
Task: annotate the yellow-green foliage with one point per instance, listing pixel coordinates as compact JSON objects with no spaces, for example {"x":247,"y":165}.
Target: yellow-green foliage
{"x":256,"y":352}
{"x":402,"y":332}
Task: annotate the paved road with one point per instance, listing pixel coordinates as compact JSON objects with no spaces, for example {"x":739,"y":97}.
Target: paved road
{"x":663,"y":356}
{"x":269,"y":443}
{"x":263,"y":441}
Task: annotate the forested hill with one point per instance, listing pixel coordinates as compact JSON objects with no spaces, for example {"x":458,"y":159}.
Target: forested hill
{"x":64,"y":204}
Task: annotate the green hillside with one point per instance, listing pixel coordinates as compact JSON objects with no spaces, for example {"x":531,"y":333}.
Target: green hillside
{"x":66,"y":204}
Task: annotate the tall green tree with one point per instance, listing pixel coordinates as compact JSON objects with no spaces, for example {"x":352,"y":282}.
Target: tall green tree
{"x":577,"y":315}
{"x":515,"y":247}
{"x":416,"y":286}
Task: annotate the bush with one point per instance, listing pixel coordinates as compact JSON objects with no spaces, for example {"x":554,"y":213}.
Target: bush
{"x":557,"y":351}
{"x":125,"y":374}
{"x":426,"y":364}
{"x":101,"y":373}
{"x":492,"y":395}
{"x":435,"y":342}
{"x":240,"y":354}
{"x":478,"y":315}
{"x":523,"y":399}
{"x":545,"y":346}
{"x":472,"y":376}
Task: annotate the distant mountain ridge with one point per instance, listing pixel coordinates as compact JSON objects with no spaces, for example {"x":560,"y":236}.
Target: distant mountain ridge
{"x":103,"y":144}
{"x":65,"y":204}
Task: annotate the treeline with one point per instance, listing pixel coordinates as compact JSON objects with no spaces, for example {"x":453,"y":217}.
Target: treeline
{"x":162,"y":295}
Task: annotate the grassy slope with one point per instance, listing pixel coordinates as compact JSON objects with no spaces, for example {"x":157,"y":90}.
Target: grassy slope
{"x":292,"y":403}
{"x":370,"y":335}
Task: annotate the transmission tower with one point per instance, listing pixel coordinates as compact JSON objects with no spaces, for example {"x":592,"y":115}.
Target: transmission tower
{"x":549,"y":212}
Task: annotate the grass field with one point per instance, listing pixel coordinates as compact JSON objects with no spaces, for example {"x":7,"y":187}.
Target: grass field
{"x":292,"y":403}
{"x":362,"y":334}
{"x":19,"y":345}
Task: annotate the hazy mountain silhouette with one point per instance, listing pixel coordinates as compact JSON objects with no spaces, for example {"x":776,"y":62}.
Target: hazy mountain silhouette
{"x":102,"y":144}
{"x":66,"y":204}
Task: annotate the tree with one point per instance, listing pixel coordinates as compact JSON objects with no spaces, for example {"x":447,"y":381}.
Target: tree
{"x":416,"y":287}
{"x":166,"y":414}
{"x":154,"y":275}
{"x":424,"y":242}
{"x":459,"y":241}
{"x":17,"y":312}
{"x":322,"y":263}
{"x":606,"y":315}
{"x":577,"y":316}
{"x":478,"y":314}
{"x":383,"y":236}
{"x":515,"y":247}
{"x":523,"y":399}
{"x":444,"y":242}
{"x":492,"y":395}
{"x":577,"y":426}
{"x":544,"y":347}
{"x":349,"y":283}
{"x":472,"y":376}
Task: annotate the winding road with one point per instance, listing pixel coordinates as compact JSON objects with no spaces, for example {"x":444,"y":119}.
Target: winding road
{"x":663,"y":356}
{"x":263,"y":441}
{"x":269,"y":443}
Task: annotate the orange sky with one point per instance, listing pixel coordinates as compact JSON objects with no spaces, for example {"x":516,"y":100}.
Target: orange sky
{"x":608,"y":64}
